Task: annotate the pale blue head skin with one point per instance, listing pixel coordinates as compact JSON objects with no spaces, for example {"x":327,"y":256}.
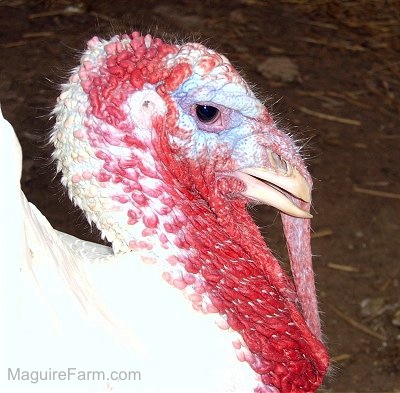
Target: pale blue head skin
{"x":244,"y":131}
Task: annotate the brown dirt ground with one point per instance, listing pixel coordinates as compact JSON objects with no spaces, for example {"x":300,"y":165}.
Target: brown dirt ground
{"x":348,"y":68}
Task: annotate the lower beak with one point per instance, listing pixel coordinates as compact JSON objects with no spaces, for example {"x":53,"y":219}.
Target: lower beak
{"x":276,"y":189}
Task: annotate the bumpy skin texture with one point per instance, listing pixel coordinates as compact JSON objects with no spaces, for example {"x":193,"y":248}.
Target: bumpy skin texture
{"x":156,"y":180}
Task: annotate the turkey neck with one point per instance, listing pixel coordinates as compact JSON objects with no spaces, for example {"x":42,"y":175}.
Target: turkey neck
{"x":219,"y":259}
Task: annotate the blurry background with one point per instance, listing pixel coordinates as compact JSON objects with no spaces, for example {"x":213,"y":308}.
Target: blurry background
{"x":330,"y":73}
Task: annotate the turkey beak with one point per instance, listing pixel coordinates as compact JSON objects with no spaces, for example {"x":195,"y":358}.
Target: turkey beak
{"x":278,"y":187}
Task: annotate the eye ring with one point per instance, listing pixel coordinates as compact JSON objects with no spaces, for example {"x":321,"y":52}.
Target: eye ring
{"x":207,"y":113}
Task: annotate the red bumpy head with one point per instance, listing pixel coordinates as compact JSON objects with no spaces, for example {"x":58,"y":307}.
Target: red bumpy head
{"x":163,"y":146}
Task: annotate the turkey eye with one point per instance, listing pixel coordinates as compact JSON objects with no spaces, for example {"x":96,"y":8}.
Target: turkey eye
{"x":207,"y":113}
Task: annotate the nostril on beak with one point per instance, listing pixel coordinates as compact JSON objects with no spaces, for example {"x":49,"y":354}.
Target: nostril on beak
{"x":278,"y":163}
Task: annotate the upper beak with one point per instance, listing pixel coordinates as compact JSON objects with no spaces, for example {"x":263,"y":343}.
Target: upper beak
{"x":272,"y":186}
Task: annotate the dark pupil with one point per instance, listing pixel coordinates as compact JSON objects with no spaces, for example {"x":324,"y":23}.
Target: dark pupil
{"x":206,"y":113}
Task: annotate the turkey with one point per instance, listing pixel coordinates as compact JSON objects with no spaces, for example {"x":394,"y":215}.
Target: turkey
{"x":163,"y":147}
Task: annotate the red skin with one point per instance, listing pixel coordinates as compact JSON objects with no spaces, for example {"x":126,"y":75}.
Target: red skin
{"x":240,"y":275}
